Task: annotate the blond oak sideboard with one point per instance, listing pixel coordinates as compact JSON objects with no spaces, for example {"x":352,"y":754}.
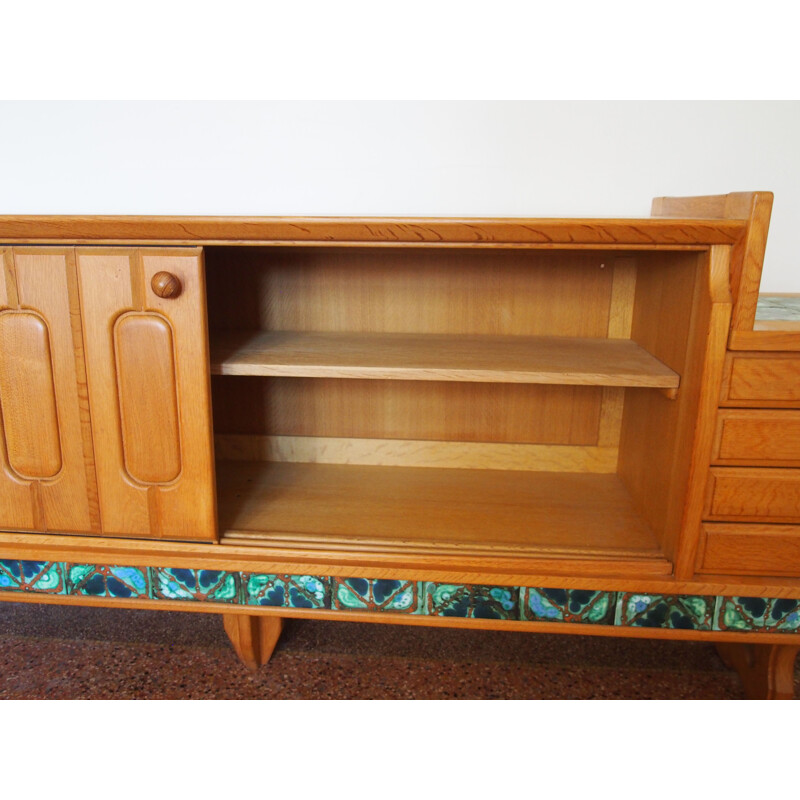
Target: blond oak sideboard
{"x":553,"y":425}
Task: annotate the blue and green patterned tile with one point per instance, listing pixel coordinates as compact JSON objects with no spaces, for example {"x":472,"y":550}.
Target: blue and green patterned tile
{"x":568,"y":605}
{"x":287,"y":591}
{"x":460,"y":600}
{"x":100,"y":581}
{"x":210,"y":585}
{"x":688,"y":612}
{"x":757,"y":614}
{"x":32,"y":576}
{"x":364,"y":594}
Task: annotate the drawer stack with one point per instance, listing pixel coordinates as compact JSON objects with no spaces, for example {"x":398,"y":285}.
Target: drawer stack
{"x":752,"y":507}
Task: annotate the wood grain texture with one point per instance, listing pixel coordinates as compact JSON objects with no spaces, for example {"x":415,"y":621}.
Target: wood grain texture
{"x":148,"y":403}
{"x":573,"y":573}
{"x":27,"y":396}
{"x":461,"y":292}
{"x":371,"y":409}
{"x":383,"y":230}
{"x":734,"y":205}
{"x":761,"y":380}
{"x":45,"y":407}
{"x":165,"y":285}
{"x":252,"y":637}
{"x":681,"y":315}
{"x":474,"y":512}
{"x":747,"y":259}
{"x":765,"y":438}
{"x":443,"y":293}
{"x":766,"y":670}
{"x":665,"y":290}
{"x":115,"y":283}
{"x":753,"y":494}
{"x":188,"y":506}
{"x":768,"y":335}
{"x":17,"y":509}
{"x":750,"y":549}
{"x":437,"y":357}
{"x":417,"y":453}
{"x":84,"y":412}
{"x":747,"y":277}
{"x":394,"y":283}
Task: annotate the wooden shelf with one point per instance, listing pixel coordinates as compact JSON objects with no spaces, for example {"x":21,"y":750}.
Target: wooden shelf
{"x":471,"y":513}
{"x":439,"y":357}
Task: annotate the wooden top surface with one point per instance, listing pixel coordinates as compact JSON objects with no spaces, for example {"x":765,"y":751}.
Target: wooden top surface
{"x":641,"y":233}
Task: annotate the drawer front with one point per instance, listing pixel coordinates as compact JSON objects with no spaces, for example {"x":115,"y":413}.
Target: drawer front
{"x":734,"y":549}
{"x":757,"y":379}
{"x":757,"y":438}
{"x":751,"y":494}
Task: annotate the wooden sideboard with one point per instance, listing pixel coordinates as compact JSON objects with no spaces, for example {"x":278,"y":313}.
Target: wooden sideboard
{"x":536,"y":424}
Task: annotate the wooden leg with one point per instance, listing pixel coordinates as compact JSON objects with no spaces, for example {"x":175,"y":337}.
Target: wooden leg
{"x":253,"y":637}
{"x":766,"y":670}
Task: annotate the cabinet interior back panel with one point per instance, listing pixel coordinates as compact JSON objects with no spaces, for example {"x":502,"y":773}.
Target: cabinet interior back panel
{"x":429,"y":410}
{"x":414,"y":290}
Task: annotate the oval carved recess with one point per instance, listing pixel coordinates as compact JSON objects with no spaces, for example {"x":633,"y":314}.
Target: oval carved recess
{"x":146,"y":379}
{"x":27,"y":396}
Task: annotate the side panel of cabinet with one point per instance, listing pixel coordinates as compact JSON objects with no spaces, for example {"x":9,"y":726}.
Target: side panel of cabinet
{"x":149,"y":391}
{"x":47,"y":474}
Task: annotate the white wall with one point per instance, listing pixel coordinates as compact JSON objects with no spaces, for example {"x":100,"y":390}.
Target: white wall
{"x":423,"y":158}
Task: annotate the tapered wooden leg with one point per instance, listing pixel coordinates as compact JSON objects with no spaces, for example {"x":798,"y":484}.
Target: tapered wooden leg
{"x":766,"y":670}
{"x":253,"y":637}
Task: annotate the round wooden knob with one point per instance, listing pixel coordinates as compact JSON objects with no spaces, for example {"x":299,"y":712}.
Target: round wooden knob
{"x":166,"y":285}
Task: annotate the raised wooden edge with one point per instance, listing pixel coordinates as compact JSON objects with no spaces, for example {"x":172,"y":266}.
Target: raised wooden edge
{"x":755,"y":208}
{"x":753,"y":248}
{"x":766,"y":670}
{"x":389,"y":618}
{"x":571,"y":575}
{"x":352,"y":230}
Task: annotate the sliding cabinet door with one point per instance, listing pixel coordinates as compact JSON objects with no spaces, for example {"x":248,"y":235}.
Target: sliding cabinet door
{"x":145,"y":330}
{"x":47,"y":474}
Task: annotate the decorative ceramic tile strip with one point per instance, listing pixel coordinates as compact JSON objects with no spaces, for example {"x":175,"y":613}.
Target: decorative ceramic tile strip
{"x":288,"y":591}
{"x":211,"y":585}
{"x":538,"y":604}
{"x":666,"y":611}
{"x":757,"y":613}
{"x":362,"y":594}
{"x":481,"y":602}
{"x":568,"y":605}
{"x":32,"y":576}
{"x":98,"y":581}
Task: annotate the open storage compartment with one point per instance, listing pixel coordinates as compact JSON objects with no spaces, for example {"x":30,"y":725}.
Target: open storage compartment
{"x":525,"y":405}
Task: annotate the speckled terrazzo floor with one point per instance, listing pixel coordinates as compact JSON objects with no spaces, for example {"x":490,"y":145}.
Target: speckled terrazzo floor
{"x":69,"y":652}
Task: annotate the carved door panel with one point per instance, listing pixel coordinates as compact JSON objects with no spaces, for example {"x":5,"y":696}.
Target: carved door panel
{"x":144,"y":324}
{"x":47,"y":475}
